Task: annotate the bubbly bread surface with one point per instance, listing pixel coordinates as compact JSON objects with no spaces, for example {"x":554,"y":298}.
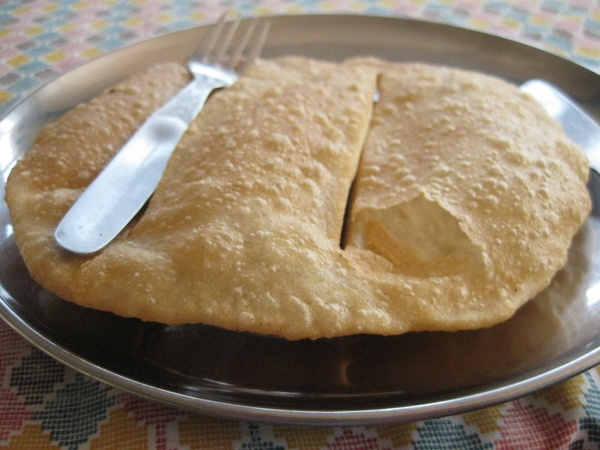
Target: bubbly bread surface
{"x":296,"y":207}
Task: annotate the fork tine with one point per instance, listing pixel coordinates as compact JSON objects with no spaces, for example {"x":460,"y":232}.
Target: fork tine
{"x":214,"y":48}
{"x":256,"y":48}
{"x":209,"y":42}
{"x":226,"y":42}
{"x":237,"y":54}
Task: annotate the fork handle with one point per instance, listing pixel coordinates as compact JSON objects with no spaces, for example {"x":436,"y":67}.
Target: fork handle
{"x":130,"y":178}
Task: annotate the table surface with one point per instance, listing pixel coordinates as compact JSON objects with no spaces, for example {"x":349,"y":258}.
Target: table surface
{"x":44,"y":404}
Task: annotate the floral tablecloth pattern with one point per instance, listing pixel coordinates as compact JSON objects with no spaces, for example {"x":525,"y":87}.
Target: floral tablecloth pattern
{"x":44,"y":404}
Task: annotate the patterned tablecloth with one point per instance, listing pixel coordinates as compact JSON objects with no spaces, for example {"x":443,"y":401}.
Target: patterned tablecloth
{"x":44,"y":404}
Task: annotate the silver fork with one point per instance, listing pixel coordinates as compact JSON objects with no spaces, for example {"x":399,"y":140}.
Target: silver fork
{"x":128,"y":181}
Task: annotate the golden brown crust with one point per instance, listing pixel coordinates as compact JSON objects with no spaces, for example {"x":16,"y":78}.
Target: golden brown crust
{"x":446,"y":230}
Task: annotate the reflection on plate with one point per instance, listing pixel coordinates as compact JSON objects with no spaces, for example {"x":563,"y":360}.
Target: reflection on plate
{"x":351,"y":380}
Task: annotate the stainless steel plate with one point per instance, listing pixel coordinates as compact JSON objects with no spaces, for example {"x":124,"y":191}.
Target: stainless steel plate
{"x":351,"y":380}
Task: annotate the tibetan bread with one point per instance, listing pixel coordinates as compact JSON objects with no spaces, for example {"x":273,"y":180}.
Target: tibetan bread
{"x":296,"y":207}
